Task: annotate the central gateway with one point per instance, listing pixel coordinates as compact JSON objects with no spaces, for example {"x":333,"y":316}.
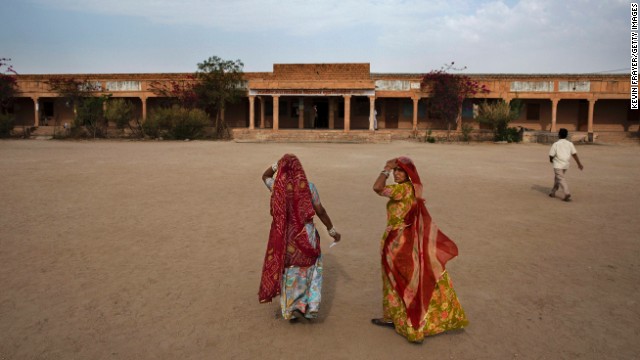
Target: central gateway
{"x":315,"y":96}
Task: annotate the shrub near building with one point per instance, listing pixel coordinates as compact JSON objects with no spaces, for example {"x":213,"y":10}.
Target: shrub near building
{"x":499,"y":114}
{"x":176,"y":123}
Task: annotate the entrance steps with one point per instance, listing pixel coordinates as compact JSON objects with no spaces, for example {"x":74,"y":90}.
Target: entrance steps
{"x":311,"y":136}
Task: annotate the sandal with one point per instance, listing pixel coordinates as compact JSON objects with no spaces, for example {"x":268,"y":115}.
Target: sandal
{"x":297,"y":315}
{"x":382,"y":322}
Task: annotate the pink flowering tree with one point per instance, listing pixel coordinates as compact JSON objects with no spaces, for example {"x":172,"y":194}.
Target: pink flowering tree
{"x":179,"y":93}
{"x":8,"y":91}
{"x":8,"y":84}
{"x":216,"y":84}
{"x":448,"y":92}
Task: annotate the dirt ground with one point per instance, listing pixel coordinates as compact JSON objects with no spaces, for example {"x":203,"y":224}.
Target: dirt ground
{"x":153,"y":250}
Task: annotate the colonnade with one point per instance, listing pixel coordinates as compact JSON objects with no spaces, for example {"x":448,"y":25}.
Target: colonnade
{"x":332,"y":108}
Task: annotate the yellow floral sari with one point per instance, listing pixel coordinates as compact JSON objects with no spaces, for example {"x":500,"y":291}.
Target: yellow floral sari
{"x":418,"y":296}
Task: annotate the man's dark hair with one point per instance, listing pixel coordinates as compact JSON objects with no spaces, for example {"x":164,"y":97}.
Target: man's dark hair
{"x":562,"y":134}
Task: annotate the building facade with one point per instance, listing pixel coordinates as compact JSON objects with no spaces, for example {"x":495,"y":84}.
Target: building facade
{"x":348,"y":97}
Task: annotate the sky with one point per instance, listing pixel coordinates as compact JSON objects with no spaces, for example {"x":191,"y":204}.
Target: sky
{"x":393,"y":36}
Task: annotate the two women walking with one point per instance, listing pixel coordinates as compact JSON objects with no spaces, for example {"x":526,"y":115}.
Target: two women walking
{"x":418,"y":297}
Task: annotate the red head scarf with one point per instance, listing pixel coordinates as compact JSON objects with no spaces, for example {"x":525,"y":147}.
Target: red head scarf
{"x":415,"y":277}
{"x":291,"y":209}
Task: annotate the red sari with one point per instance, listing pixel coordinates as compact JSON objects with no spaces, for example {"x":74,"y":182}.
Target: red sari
{"x":414,"y":254}
{"x":291,"y":209}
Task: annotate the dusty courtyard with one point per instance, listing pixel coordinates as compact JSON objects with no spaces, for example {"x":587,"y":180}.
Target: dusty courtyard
{"x":153,"y":250}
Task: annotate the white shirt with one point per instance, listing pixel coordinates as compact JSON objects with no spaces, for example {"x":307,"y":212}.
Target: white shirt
{"x":561,"y":151}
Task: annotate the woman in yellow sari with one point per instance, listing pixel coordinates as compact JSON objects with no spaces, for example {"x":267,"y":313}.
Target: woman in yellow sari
{"x":418,"y":296}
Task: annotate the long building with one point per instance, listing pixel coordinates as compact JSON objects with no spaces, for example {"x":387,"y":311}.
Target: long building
{"x":348,"y":98}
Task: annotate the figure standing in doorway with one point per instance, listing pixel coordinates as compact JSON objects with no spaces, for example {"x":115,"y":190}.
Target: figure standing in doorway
{"x":315,"y":116}
{"x":375,"y":119}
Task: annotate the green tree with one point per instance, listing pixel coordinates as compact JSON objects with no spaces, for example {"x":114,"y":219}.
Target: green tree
{"x":90,"y":114}
{"x":220,"y":82}
{"x":83,"y":96}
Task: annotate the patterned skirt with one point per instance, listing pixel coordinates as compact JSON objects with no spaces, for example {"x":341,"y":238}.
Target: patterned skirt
{"x":302,"y":286}
{"x":444,"y":313}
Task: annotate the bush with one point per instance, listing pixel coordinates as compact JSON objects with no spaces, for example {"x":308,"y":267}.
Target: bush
{"x":176,"y":123}
{"x":513,"y":135}
{"x":499,"y":114}
{"x":466,"y":130}
{"x":120,"y":111}
{"x":428,"y":138}
{"x":6,"y":125}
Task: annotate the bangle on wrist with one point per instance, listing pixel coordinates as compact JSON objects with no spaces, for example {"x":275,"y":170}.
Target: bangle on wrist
{"x":332,"y":231}
{"x":385,"y":173}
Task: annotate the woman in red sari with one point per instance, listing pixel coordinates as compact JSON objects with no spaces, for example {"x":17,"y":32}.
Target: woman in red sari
{"x":418,"y":297}
{"x":293,"y":262}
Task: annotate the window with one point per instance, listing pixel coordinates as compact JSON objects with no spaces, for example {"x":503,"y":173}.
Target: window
{"x":124,"y":86}
{"x":422,"y":109}
{"x":407,"y":109}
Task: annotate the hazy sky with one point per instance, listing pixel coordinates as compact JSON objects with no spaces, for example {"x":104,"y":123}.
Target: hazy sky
{"x":396,"y":36}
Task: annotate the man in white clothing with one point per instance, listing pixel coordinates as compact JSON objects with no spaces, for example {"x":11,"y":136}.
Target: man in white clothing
{"x":560,"y":155}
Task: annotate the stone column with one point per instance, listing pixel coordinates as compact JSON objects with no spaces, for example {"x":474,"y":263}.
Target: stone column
{"x":332,"y":113}
{"x":372,"y":114}
{"x":300,"y":112}
{"x":459,"y":119}
{"x":554,"y":111}
{"x":347,"y":112}
{"x":276,"y":112}
{"x":261,"y":111}
{"x":415,"y":113}
{"x":252,"y":117}
{"x":143,"y":99}
{"x":592,"y":103}
{"x":36,"y":111}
